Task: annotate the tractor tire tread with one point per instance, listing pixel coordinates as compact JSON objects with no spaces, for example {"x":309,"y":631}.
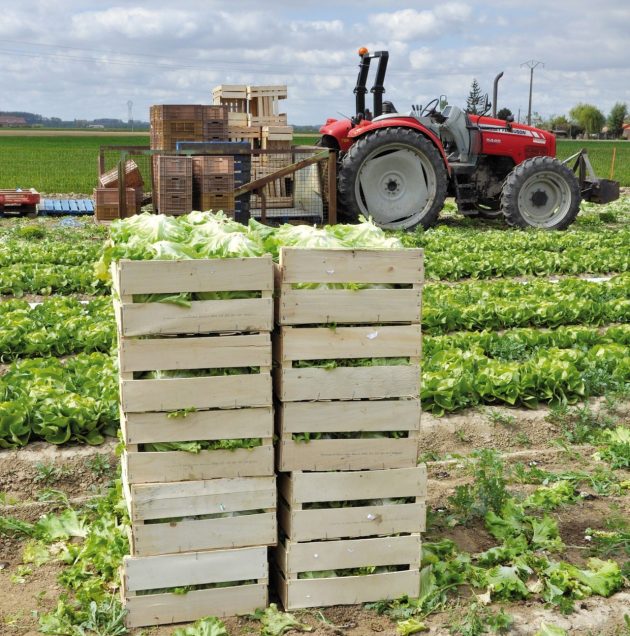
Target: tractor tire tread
{"x":353,"y":160}
{"x":523,"y":171}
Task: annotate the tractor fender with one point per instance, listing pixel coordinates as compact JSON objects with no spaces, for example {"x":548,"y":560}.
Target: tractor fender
{"x":400,"y":122}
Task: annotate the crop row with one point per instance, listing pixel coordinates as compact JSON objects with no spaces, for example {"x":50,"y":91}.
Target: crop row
{"x":50,"y":252}
{"x":454,"y":379}
{"x":59,"y":326}
{"x":541,"y":303}
{"x":29,"y":278}
{"x":59,"y":401}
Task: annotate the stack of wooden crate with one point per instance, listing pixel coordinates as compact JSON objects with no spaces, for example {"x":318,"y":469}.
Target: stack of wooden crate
{"x":252,"y":109}
{"x":173,"y":184}
{"x":213,"y":184}
{"x":172,"y":123}
{"x":352,"y":496}
{"x":106,"y":203}
{"x":201,"y":522}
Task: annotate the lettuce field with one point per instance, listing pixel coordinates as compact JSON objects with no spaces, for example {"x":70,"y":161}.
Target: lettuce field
{"x":526,"y":411}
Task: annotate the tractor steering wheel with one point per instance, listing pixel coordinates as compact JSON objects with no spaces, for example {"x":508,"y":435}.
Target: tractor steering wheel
{"x":429,"y":109}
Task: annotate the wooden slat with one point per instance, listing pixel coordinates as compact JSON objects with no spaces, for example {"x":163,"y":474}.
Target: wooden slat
{"x":165,"y":609}
{"x":350,"y":553}
{"x":195,"y":568}
{"x":350,"y":383}
{"x":348,"y":416}
{"x":194,"y":353}
{"x":204,"y":534}
{"x":359,"y":521}
{"x":321,"y":343}
{"x":350,"y":590}
{"x":143,"y":428}
{"x":401,"y":266}
{"x":203,"y":316}
{"x":171,"y":466}
{"x":301,"y":487}
{"x":200,"y":393}
{"x":192,"y":498}
{"x":204,"y":275}
{"x":347,"y":454}
{"x":338,"y":306}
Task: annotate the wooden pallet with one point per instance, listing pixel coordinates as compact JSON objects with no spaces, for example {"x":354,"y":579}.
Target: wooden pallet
{"x":294,"y":558}
{"x":196,"y":568}
{"x":204,"y":316}
{"x":166,"y":517}
{"x":301,"y":522}
{"x":400,"y":303}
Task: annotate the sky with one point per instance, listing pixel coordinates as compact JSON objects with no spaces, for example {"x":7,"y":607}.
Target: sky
{"x":82,"y":60}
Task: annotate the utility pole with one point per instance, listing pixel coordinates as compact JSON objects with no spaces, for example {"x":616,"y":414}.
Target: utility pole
{"x":531,"y":64}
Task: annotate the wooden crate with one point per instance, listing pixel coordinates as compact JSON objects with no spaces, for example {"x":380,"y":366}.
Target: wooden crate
{"x":106,"y":206}
{"x":304,"y":344}
{"x":229,"y":92}
{"x":203,"y":316}
{"x":166,"y":517}
{"x":300,"y":493}
{"x":141,"y":574}
{"x":402,"y":303}
{"x":133,"y":178}
{"x":294,"y":558}
{"x":277,"y":133}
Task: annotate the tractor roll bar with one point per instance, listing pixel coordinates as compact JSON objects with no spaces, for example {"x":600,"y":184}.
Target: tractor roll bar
{"x":378,"y":89}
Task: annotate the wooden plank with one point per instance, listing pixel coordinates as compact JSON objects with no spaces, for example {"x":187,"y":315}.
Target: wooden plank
{"x":335,"y":417}
{"x":143,"y":428}
{"x":170,"y":466}
{"x":203,"y":275}
{"x":350,"y":553}
{"x":200,"y":393}
{"x":204,"y":534}
{"x":194,"y":498}
{"x":207,"y":352}
{"x":396,"y":266}
{"x":165,"y":609}
{"x":203,"y":316}
{"x":347,"y":454}
{"x":346,"y":486}
{"x":358,"y":521}
{"x":338,"y":306}
{"x":350,"y":590}
{"x":321,"y":343}
{"x":194,"y":568}
{"x":348,"y":383}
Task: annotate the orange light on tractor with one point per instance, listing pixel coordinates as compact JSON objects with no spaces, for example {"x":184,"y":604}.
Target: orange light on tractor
{"x":363,"y":51}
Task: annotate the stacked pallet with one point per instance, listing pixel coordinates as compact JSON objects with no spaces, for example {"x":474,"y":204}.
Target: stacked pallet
{"x":173,"y":123}
{"x":173,"y":184}
{"x":351,"y":504}
{"x":202,"y":518}
{"x":106,"y":198}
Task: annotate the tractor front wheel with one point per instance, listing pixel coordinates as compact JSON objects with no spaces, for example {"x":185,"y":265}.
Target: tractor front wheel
{"x":541,"y":192}
{"x":395,"y":176}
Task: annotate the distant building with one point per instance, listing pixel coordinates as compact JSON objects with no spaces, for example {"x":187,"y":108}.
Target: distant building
{"x":96,"y":126}
{"x":626,"y":132}
{"x":10,"y":120}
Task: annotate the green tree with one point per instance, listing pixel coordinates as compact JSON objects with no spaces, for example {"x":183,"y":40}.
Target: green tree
{"x":588,"y":117}
{"x":475,"y":98}
{"x":504,"y":113}
{"x":616,"y":118}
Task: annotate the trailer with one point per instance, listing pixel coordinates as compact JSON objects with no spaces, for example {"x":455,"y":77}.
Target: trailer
{"x":19,"y":202}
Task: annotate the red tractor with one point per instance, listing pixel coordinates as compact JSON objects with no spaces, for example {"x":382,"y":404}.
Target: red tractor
{"x":398,"y":168}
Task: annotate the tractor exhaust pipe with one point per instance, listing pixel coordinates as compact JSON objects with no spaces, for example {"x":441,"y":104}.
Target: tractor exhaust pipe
{"x":495,"y":92}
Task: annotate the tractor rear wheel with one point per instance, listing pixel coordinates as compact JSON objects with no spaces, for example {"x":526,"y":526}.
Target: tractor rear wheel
{"x":541,"y":192}
{"x":396,"y":176}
